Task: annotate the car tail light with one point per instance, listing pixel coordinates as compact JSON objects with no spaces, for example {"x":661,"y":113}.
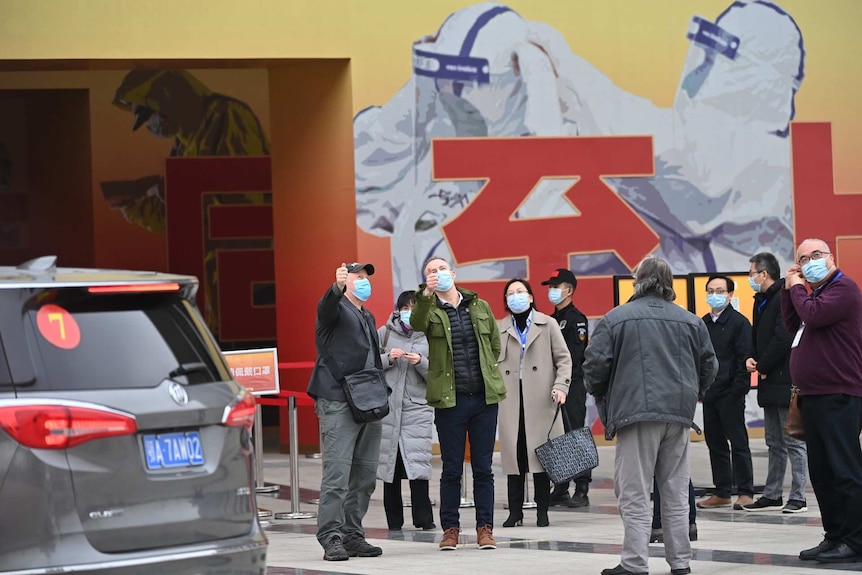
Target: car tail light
{"x":241,"y":414}
{"x":135,"y":288}
{"x":62,"y":426}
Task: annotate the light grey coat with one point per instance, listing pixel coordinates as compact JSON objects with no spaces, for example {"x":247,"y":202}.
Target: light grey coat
{"x":408,"y":424}
{"x":547,"y":366}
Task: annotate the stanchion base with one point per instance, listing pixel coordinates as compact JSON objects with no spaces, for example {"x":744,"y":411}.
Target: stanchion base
{"x":314,"y":501}
{"x":263,"y":513}
{"x":267,"y":489}
{"x":298,"y":515}
{"x":313,"y":455}
{"x":466,"y":503}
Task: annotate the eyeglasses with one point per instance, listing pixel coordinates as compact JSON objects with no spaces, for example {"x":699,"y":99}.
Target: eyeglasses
{"x":517,"y":292}
{"x":755,"y":272}
{"x":717,"y":291}
{"x":815,"y":255}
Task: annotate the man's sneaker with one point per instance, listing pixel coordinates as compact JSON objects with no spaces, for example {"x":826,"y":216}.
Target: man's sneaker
{"x":713,"y":502}
{"x":795,"y":506}
{"x":333,"y":549}
{"x":765,"y":504}
{"x":485,"y":537}
{"x":357,"y":546}
{"x":822,"y":547}
{"x":450,"y":539}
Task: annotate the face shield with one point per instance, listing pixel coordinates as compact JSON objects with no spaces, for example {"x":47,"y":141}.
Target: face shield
{"x":746,"y":67}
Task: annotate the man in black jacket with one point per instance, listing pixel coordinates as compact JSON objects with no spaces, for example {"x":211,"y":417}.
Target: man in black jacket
{"x":770,"y":358}
{"x":724,"y":402}
{"x":575,"y":328}
{"x":346,"y":338}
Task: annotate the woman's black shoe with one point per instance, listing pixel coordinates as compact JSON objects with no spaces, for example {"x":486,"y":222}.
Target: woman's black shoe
{"x":542,"y":519}
{"x":514,"y":520}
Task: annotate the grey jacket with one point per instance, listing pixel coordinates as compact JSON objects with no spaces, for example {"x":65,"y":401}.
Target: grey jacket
{"x":648,"y":360}
{"x":408,"y":425}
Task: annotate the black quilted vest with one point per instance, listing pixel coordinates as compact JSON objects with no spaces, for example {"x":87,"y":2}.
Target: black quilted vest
{"x":465,"y":349}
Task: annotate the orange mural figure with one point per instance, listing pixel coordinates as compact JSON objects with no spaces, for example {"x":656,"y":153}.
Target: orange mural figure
{"x":175,"y":104}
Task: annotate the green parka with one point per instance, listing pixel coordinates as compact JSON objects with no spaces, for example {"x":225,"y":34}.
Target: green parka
{"x":433,"y":321}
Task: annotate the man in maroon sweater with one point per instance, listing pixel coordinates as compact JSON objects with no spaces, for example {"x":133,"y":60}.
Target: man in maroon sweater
{"x":826,"y":366}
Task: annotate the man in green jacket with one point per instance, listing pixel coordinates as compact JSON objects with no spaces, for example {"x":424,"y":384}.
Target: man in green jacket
{"x":465,"y":388}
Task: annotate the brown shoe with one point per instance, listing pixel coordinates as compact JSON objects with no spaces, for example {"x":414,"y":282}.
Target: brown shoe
{"x":742,"y":500}
{"x":714,"y":502}
{"x":485,"y":537}
{"x":450,"y":539}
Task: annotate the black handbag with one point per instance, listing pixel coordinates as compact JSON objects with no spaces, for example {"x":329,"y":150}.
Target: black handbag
{"x":569,"y":455}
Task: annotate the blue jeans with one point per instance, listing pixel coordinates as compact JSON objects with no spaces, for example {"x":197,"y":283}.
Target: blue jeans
{"x":781,"y":448}
{"x":470,"y":416}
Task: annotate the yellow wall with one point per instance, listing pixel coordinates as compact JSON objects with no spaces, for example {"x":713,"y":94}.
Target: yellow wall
{"x":638,"y":43}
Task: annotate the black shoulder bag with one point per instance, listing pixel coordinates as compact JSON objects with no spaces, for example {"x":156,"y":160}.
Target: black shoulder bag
{"x":366,"y":390}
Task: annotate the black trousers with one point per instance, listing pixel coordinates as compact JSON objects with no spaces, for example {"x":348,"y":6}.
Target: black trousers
{"x":576,"y":409}
{"x":723,"y":422}
{"x":420,"y":502}
{"x":832,"y":427}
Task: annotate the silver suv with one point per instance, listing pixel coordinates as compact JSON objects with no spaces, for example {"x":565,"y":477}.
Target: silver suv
{"x":125,"y":446}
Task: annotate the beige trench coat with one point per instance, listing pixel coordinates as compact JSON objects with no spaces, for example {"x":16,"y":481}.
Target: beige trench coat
{"x":547,"y":366}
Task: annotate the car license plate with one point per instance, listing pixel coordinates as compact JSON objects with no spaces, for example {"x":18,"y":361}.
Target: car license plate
{"x":171,"y":450}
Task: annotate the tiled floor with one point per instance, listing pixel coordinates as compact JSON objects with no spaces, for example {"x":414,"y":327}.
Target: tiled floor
{"x":577,"y":541}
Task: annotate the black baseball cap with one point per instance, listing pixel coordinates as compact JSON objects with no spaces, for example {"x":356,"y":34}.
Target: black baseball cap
{"x":355,"y":267}
{"x":562,"y":275}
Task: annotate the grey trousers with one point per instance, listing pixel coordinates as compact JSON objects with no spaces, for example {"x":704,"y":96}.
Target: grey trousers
{"x":782,"y":447}
{"x":350,"y":454}
{"x":644,"y":449}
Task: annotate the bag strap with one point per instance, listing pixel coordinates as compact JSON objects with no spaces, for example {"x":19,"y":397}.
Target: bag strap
{"x":565,"y":419}
{"x":385,"y":339}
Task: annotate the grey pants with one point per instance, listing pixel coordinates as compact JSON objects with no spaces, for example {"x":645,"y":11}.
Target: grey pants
{"x":644,"y":449}
{"x":350,"y":453}
{"x":781,"y":448}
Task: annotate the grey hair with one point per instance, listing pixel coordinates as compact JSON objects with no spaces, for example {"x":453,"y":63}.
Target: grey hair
{"x":653,"y":276}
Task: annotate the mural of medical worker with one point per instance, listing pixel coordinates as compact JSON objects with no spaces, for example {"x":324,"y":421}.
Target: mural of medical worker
{"x":175,"y":104}
{"x":722,"y":159}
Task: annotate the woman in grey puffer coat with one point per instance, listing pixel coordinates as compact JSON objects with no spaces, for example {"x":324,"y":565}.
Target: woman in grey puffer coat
{"x":405,"y":445}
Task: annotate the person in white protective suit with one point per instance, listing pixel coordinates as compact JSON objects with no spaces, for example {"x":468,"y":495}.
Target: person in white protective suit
{"x":721,"y":188}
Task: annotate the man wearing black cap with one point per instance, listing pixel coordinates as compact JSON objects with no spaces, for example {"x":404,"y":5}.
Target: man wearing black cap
{"x":561,"y":288}
{"x":346,"y":338}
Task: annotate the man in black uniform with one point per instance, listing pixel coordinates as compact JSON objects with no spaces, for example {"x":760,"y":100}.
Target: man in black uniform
{"x":561,"y":288}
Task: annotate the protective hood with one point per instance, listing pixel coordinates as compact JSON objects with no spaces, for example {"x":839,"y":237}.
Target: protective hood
{"x":175,"y":94}
{"x":747,"y":66}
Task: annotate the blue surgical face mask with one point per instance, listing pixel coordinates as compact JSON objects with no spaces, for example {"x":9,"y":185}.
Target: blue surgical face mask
{"x":754,"y":286}
{"x":362,"y":289}
{"x":716,"y":301}
{"x":555,"y":295}
{"x":518,"y":302}
{"x":444,"y":280}
{"x":405,"y":317}
{"x":815,"y":270}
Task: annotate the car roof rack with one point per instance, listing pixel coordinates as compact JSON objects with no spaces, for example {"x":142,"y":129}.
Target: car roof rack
{"x":41,"y":264}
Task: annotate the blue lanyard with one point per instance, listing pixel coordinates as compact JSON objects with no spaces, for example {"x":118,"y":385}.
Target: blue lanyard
{"x":762,"y":305}
{"x":523,"y":335}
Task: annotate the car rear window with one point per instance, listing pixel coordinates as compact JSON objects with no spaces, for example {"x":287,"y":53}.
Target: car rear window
{"x":85,"y":341}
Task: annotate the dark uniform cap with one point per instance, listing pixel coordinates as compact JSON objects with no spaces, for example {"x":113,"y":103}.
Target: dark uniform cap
{"x":355,"y":267}
{"x":562,"y":275}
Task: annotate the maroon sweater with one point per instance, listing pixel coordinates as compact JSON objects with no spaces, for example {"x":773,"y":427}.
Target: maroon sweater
{"x":828,"y":358}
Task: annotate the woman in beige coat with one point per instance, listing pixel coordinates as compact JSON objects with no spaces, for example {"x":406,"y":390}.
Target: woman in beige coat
{"x":537,"y":369}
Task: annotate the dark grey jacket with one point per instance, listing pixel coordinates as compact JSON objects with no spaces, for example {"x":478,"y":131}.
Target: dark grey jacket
{"x":340,"y":330}
{"x":648,"y":360}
